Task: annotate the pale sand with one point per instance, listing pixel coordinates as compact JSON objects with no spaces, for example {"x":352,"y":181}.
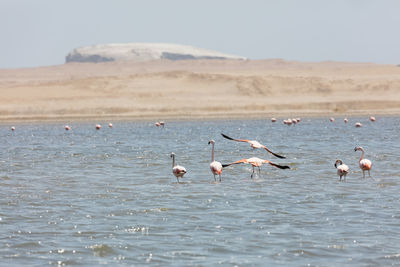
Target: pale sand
{"x":199,"y":89}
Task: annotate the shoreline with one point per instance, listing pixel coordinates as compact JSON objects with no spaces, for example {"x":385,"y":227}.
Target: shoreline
{"x":210,"y":117}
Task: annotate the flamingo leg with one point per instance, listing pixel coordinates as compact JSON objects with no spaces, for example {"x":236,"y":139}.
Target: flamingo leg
{"x":259,"y":170}
{"x":220,"y":178}
{"x":340,"y":178}
{"x":345,"y":178}
{"x":363,"y":174}
{"x":369,"y":173}
{"x":177,"y":179}
{"x":252,"y":173}
{"x":215,"y":178}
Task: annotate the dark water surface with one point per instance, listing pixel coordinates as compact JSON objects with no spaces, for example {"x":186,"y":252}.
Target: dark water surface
{"x":87,"y":197}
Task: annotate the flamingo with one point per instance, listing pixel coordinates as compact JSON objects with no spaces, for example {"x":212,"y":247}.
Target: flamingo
{"x":162,"y":123}
{"x":365,"y":164}
{"x":254,"y":144}
{"x":110,"y":125}
{"x":215,"y":166}
{"x":157,"y":124}
{"x":256,"y":162}
{"x":273,"y":119}
{"x":346,"y":120}
{"x":67,"y":128}
{"x":372,"y":118}
{"x":178,"y":171}
{"x":358,"y":124}
{"x":342,"y":169}
{"x":13,"y":128}
{"x":98,"y":126}
{"x":332,"y":119}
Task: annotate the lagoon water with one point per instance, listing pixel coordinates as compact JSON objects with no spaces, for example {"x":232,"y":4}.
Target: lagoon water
{"x":87,"y":197}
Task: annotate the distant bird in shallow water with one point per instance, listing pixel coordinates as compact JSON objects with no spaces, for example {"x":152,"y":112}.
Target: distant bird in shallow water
{"x":273,"y":119}
{"x":365,"y":164}
{"x":13,"y":128}
{"x":110,"y":125}
{"x":342,"y":169}
{"x":98,"y":126}
{"x":254,"y":144}
{"x":67,"y":128}
{"x":358,"y":124}
{"x":332,"y":119}
{"x":157,"y":124}
{"x":215,"y":166}
{"x":372,"y":118}
{"x":178,"y":171}
{"x":346,"y":120}
{"x":256,"y":162}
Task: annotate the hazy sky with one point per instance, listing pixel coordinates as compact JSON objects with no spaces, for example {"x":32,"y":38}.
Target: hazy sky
{"x":42,"y":32}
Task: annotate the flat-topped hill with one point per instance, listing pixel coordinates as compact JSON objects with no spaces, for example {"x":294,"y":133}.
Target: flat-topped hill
{"x":142,"y":52}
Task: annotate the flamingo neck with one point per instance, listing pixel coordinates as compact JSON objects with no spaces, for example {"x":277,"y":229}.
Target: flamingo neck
{"x":212,"y":153}
{"x":362,"y":155}
{"x":173,"y":161}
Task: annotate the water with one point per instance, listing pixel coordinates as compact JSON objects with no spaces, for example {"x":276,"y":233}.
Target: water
{"x":87,"y":197}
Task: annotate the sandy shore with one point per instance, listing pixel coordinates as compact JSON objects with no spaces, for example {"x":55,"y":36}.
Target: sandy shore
{"x":200,"y":89}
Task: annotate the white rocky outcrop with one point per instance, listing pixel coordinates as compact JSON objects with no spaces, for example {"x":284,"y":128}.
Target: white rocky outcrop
{"x":142,"y":52}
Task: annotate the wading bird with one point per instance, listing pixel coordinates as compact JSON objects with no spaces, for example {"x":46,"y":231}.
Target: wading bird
{"x":256,"y":162}
{"x":178,"y":171}
{"x":342,"y":169}
{"x":365,"y":164}
{"x":215,"y":166}
{"x":254,"y":144}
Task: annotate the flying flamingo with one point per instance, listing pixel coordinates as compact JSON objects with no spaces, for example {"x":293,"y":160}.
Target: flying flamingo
{"x":178,"y":171}
{"x":342,"y":169}
{"x":254,"y":144}
{"x":256,"y":162}
{"x":365,"y":164}
{"x":215,"y":166}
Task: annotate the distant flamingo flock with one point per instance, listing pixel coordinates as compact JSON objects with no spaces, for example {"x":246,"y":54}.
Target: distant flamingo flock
{"x":216,"y":167}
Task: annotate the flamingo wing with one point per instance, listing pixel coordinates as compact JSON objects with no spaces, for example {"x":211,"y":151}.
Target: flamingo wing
{"x":276,"y":155}
{"x":236,"y":162}
{"x":237,"y":140}
{"x":277,"y":165}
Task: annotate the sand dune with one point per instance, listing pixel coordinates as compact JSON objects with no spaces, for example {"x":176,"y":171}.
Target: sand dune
{"x":196,"y":89}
